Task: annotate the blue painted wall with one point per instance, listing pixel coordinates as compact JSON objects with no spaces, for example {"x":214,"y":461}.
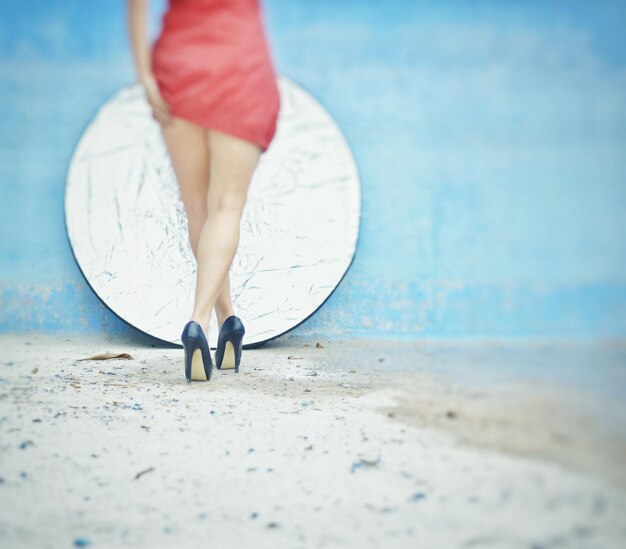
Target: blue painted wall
{"x":490,"y":137}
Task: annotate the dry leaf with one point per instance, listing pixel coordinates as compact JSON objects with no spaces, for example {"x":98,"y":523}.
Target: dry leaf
{"x":142,"y":473}
{"x":107,"y":356}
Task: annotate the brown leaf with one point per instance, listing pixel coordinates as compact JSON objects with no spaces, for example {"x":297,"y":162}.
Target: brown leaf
{"x":107,"y":356}
{"x":142,"y":473}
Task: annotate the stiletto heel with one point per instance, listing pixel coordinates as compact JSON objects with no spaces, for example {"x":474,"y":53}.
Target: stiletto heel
{"x":198,"y":363}
{"x":230,"y":344}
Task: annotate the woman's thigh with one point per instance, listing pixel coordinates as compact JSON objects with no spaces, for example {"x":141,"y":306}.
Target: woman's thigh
{"x":187,"y":146}
{"x":232,"y":164}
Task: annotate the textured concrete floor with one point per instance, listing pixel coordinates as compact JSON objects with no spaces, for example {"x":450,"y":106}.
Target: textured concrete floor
{"x":358,"y":444}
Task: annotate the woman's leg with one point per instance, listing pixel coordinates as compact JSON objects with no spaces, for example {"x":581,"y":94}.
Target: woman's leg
{"x":187,"y":145}
{"x":232,"y":164}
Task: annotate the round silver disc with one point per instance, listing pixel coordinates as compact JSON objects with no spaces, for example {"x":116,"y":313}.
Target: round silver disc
{"x":128,"y":228}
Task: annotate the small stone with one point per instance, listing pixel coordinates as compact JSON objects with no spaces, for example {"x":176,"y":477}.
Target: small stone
{"x":319,"y":345}
{"x":382,"y":359}
{"x":82,"y":541}
{"x":34,"y":370}
{"x":273,"y":525}
{"x":26,"y":444}
{"x":451,"y":414}
{"x":417,"y":496}
{"x":254,"y":515}
{"x":365,"y":462}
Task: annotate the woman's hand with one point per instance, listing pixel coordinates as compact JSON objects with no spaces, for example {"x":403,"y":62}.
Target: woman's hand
{"x":160,"y":109}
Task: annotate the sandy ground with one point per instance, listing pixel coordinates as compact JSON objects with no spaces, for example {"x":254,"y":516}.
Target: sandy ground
{"x":357,"y":444}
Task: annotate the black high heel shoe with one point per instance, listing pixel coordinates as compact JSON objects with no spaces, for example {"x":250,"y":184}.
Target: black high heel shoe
{"x":198,"y":363}
{"x":230,"y":344}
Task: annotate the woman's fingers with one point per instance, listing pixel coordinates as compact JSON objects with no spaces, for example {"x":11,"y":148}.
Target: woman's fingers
{"x":161,"y":111}
{"x":160,"y":108}
{"x":161,"y":117}
{"x":161,"y":104}
{"x":164,"y":114}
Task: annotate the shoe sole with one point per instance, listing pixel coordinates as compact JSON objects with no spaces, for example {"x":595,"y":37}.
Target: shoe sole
{"x":197,"y":367}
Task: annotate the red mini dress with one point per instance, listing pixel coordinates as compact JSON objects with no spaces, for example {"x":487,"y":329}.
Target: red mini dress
{"x":213,"y":67}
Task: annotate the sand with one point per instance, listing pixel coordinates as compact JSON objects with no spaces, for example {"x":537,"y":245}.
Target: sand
{"x":337,"y":445}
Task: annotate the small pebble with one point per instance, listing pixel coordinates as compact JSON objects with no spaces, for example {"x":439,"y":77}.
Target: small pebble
{"x":82,"y":541}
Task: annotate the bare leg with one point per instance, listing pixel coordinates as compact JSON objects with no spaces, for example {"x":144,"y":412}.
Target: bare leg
{"x":232,"y":164}
{"x":187,"y":145}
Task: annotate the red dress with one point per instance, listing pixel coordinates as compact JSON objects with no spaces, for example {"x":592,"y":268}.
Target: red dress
{"x":214,"y":68}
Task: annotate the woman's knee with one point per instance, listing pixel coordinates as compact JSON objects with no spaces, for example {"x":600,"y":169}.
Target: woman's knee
{"x":219,"y":200}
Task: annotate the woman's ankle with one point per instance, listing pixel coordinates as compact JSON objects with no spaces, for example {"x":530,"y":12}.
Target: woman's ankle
{"x":223,"y":313}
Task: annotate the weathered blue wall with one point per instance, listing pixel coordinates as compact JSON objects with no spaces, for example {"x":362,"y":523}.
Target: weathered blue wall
{"x":490,"y":137}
